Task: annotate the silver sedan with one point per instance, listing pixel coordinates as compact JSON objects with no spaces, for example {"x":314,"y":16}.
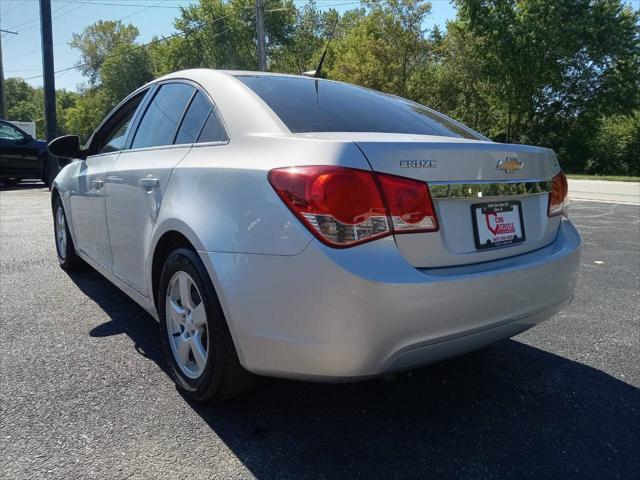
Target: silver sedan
{"x":310,"y":229}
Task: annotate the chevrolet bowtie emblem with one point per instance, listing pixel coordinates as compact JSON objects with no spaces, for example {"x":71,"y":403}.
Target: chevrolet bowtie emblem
{"x":510,"y":165}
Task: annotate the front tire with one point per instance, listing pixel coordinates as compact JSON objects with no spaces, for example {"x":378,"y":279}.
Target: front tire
{"x":67,"y":256}
{"x":196,"y":340}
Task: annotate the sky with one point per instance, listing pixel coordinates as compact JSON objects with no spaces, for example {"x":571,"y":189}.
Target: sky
{"x":22,"y":53}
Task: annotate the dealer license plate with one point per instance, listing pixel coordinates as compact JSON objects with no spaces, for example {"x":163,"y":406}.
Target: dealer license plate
{"x":498,"y":224}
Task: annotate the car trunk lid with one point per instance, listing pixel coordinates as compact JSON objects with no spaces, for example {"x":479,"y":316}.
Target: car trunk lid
{"x":504,"y":181}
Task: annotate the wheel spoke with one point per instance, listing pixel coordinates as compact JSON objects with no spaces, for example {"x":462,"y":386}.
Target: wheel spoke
{"x":182,"y":348}
{"x":199,"y":316}
{"x":185,"y":291}
{"x":176,"y":312}
{"x":199,"y":353}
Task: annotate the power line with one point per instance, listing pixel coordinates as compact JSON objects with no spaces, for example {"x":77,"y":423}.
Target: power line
{"x":158,"y":40}
{"x":83,"y":3}
{"x":22,"y":2}
{"x":175,"y":35}
{"x":57,"y":10}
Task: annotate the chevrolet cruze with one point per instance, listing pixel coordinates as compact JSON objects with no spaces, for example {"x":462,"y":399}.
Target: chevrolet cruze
{"x":303,"y":228}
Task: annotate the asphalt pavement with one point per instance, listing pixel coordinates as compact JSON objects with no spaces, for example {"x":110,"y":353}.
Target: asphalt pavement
{"x":84,"y":391}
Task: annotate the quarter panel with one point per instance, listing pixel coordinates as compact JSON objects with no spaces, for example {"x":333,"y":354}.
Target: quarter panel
{"x":222,"y":192}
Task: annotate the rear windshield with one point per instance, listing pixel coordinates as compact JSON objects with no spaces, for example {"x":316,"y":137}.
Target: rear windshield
{"x":308,"y":105}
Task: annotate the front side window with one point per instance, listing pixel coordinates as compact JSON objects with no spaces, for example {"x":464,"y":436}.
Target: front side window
{"x":160,"y":122}
{"x":112,"y":136}
{"x":10,"y":133}
{"x":115,"y":140}
{"x":309,"y":105}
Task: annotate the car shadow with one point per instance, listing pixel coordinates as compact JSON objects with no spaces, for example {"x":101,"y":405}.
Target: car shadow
{"x":511,"y":410}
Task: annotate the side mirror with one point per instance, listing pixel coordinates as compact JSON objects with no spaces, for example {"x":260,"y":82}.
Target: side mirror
{"x":67,"y":146}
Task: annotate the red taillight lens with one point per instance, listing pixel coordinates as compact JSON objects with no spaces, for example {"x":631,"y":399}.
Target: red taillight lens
{"x":409,"y":202}
{"x":345,"y":206}
{"x":558,"y":195}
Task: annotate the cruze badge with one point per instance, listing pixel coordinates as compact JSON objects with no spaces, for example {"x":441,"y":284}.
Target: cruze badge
{"x":510,"y":165}
{"x":418,"y":164}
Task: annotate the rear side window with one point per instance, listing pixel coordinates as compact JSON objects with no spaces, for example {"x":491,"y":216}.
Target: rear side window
{"x":200,"y":123}
{"x":160,"y":122}
{"x":213,"y":131}
{"x":309,"y":105}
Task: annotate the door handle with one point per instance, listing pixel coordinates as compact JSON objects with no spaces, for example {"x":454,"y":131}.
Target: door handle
{"x":97,"y":184}
{"x":148,"y":183}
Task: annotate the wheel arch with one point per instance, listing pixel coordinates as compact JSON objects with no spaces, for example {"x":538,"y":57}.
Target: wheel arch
{"x":165,"y":244}
{"x":174,"y":234}
{"x":55,"y":193}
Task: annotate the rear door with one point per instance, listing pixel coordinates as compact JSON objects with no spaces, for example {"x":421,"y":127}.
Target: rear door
{"x":171,"y":123}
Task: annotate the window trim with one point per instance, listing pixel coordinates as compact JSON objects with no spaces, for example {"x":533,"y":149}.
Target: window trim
{"x":146,"y":89}
{"x":156,"y":88}
{"x":184,"y":114}
{"x":143,"y":112}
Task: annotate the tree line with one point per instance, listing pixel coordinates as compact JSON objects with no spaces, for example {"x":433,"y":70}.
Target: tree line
{"x":558,"y":73}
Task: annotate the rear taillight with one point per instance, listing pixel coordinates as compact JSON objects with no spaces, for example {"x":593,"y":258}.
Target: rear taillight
{"x":558,"y":195}
{"x":345,"y":206}
{"x":409,"y":204}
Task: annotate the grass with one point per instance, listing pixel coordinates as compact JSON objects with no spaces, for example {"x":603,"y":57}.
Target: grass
{"x":613,"y":178}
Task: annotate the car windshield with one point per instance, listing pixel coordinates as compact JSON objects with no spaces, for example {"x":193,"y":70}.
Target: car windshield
{"x":309,"y":105}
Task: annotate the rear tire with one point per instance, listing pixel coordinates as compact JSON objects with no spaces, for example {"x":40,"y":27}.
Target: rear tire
{"x":195,"y":337}
{"x":67,"y":256}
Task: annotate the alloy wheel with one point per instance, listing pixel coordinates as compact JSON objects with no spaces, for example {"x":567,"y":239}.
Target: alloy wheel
{"x":187,"y":326}
{"x":61,"y":233}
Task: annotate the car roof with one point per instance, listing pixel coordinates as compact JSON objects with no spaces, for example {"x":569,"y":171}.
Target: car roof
{"x":243,"y":112}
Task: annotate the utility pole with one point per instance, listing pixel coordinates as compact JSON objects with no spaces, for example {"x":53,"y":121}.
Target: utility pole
{"x":3,"y":108}
{"x":47,"y":70}
{"x":262,"y":51}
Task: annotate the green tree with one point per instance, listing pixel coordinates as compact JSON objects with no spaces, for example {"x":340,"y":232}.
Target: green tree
{"x":382,"y":47}
{"x":97,"y":42}
{"x":87,"y":113}
{"x":616,"y":145}
{"x":127,"y":68}
{"x":304,"y":47}
{"x":555,"y":68}
{"x":26,"y":103}
{"x":221,"y":34}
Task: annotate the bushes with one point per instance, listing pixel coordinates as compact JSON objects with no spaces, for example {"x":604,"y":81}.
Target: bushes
{"x":615,"y":148}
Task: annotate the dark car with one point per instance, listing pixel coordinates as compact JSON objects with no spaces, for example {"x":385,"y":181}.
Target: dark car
{"x":22,"y":156}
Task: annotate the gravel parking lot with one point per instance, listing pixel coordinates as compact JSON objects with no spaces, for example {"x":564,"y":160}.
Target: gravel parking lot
{"x":84,"y":392}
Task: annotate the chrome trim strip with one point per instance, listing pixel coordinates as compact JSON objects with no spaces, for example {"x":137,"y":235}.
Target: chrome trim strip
{"x":479,"y":189}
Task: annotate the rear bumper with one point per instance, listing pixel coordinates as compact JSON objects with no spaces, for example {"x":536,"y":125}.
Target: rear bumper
{"x":335,"y":315}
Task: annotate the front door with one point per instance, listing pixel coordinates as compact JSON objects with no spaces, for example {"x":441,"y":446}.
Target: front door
{"x":87,"y":195}
{"x":88,"y":212}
